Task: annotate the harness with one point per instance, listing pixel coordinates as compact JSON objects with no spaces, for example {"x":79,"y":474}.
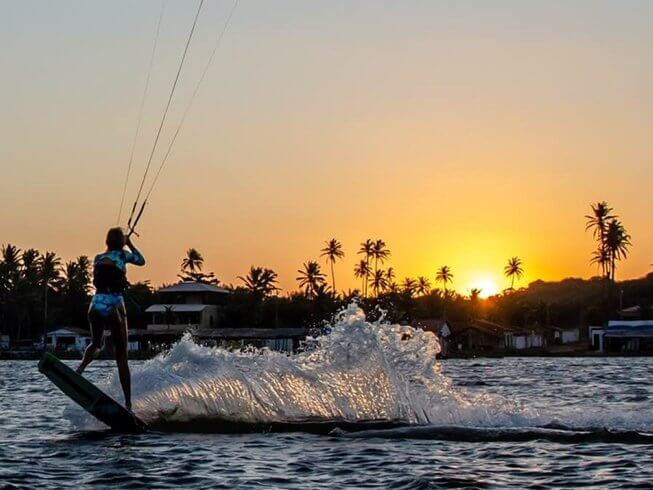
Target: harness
{"x":109,"y":279}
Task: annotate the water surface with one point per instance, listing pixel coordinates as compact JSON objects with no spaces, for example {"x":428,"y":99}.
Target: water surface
{"x":486,"y":423}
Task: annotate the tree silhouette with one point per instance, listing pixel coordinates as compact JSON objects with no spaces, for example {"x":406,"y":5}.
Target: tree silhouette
{"x":380,"y":253}
{"x":260,"y":281}
{"x":474,"y":296}
{"x":362,"y":271}
{"x":613,"y":243}
{"x":191,"y":268}
{"x":390,"y":274}
{"x":379,"y":281}
{"x":423,"y":286}
{"x":514,"y":269}
{"x":193,"y":262}
{"x":11,"y":292}
{"x":409,"y":286}
{"x":49,"y":277}
{"x":445,"y":276}
{"x":598,"y":223}
{"x":311,"y":278}
{"x":332,"y":251}
{"x":366,"y":249}
{"x":617,"y":243}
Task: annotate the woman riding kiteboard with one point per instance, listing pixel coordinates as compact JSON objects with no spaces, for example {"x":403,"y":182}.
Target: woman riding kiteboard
{"x":107,"y":310}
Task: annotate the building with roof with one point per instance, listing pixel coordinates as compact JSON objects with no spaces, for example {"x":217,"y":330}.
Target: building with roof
{"x":197,"y":308}
{"x":562,"y":336}
{"x":68,"y":339}
{"x":525,"y":338}
{"x":635,"y":312}
{"x":479,"y":335}
{"x":191,"y":292}
{"x":629,"y":336}
{"x":186,"y":306}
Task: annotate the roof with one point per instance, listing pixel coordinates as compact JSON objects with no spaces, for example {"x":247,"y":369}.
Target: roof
{"x":486,"y":327}
{"x":432,"y":324}
{"x":193,"y":287}
{"x":631,"y":309}
{"x":629,"y":328}
{"x":183,"y":308}
{"x":70,"y":331}
{"x":229,"y":333}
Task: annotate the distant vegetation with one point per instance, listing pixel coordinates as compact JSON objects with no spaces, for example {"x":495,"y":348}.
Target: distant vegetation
{"x":38,"y":291}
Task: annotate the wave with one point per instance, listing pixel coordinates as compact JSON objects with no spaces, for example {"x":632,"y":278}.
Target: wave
{"x":506,"y":434}
{"x":359,"y":376}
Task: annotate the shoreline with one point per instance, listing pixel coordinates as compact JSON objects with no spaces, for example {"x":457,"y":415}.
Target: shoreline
{"x":143,"y":356}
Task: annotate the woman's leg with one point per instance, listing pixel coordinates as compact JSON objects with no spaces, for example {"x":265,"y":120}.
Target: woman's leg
{"x":96,"y":322}
{"x":118,"y":325}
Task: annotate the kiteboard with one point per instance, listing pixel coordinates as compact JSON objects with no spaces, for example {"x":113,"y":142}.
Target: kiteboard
{"x":90,"y":397}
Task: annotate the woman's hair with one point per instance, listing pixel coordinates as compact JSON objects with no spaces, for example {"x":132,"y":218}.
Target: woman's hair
{"x":115,"y":239}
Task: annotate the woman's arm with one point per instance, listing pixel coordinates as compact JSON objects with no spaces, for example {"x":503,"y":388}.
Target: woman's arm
{"x":134,"y":256}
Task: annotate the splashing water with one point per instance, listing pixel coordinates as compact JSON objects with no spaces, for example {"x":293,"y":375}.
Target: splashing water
{"x":358,"y":372}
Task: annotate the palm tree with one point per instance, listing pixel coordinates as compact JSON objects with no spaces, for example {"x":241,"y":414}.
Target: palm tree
{"x":9,"y":280}
{"x":445,"y":276}
{"x":84,"y":272}
{"x":191,"y":268}
{"x":598,"y":223}
{"x":10,"y":290}
{"x":260,"y":281}
{"x":601,"y":257}
{"x":390,"y":274}
{"x":69,"y":276}
{"x":77,"y":276}
{"x":408,"y":286}
{"x":362,"y":270}
{"x":30,"y":262}
{"x":617,"y":242}
{"x":475,"y":294}
{"x":193,"y":262}
{"x":49,"y":276}
{"x":333,"y":251}
{"x":423,"y":286}
{"x":366,"y":249}
{"x":311,"y":278}
{"x":380,"y":253}
{"x":513,"y":269}
{"x":598,"y":220}
{"x":379,"y":281}
{"x":11,"y":261}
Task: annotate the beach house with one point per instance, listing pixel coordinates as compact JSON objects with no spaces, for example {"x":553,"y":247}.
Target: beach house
{"x":67,"y":339}
{"x":478,"y":336}
{"x":197,"y":308}
{"x":629,"y":336}
{"x":525,"y":338}
{"x":187,"y":306}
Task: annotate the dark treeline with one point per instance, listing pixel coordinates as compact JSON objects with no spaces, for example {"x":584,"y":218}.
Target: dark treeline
{"x":39,"y":291}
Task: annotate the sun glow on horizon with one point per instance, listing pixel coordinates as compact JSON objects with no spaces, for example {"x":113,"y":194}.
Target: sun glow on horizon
{"x":487,"y":285}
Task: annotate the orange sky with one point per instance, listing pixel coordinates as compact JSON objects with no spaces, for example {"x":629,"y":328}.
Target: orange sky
{"x":460,"y":135}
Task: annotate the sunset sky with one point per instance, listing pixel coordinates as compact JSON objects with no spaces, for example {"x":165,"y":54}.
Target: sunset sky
{"x":460,"y":132}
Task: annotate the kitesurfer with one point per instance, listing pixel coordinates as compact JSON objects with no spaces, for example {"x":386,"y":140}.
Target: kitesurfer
{"x":107,"y":310}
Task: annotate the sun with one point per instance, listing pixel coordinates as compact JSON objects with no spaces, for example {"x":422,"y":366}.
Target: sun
{"x":487,"y":286}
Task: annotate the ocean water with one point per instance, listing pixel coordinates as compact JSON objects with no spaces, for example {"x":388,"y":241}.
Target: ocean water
{"x":368,"y":406}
